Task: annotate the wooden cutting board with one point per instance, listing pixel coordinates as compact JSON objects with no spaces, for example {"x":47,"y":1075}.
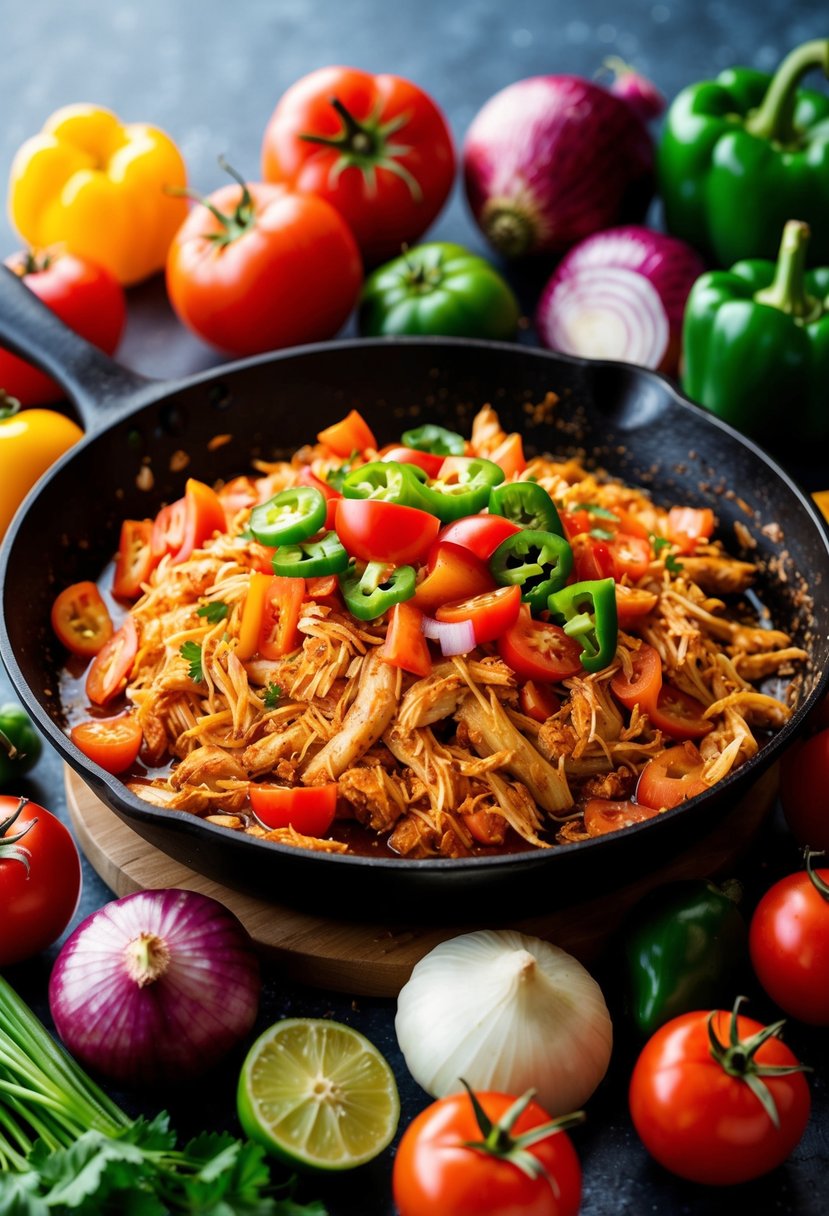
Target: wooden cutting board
{"x":376,"y":959}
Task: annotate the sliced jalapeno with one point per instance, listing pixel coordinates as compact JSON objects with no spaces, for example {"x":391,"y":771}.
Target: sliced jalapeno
{"x":371,"y":593}
{"x":538,"y":562}
{"x":387,"y":481}
{"x":462,"y":487}
{"x":587,"y":613}
{"x":325,"y":555}
{"x":527,"y":504}
{"x":432,"y":438}
{"x":292,"y":515}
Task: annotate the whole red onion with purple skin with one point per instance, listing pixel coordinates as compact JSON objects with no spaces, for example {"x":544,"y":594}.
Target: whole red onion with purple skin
{"x":551,"y":159}
{"x":640,"y":93}
{"x":155,"y":987}
{"x":620,"y":294}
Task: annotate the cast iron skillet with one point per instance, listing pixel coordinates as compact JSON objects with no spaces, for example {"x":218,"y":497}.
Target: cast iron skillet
{"x":630,"y":421}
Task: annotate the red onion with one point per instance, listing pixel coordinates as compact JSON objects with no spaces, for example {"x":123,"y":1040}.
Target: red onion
{"x":639,"y":92}
{"x":620,"y":294}
{"x":156,"y":986}
{"x":550,"y":159}
{"x":455,"y":637}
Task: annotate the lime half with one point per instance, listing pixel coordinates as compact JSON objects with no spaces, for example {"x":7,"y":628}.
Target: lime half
{"x":318,"y":1094}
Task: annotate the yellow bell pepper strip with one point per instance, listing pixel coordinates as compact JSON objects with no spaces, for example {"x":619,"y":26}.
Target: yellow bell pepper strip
{"x":821,"y":497}
{"x":101,"y":189}
{"x":30,"y":441}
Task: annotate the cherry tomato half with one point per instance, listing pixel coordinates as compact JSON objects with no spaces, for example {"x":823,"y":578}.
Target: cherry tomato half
{"x":481,"y":534}
{"x":81,"y":619}
{"x":603,"y":815}
{"x":538,"y":701}
{"x":309,"y":809}
{"x":373,"y":530}
{"x":679,"y":715}
{"x":111,"y":667}
{"x":453,"y":573}
{"x":113,"y":743}
{"x":536,"y":650}
{"x":641,"y":686}
{"x":789,"y":946}
{"x":492,"y":614}
{"x":671,"y":777}
{"x":134,"y":562}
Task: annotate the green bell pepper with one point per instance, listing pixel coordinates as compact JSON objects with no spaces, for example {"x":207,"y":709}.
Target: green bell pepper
{"x":438,"y":288}
{"x":527,"y":504}
{"x":463,"y":487}
{"x":756,"y":344}
{"x":683,"y":948}
{"x":587,"y":612}
{"x":369,"y":594}
{"x":387,"y":481}
{"x":436,"y":439}
{"x":538,"y":562}
{"x":20,"y":744}
{"x":311,"y":559}
{"x":290,"y":516}
{"x":744,"y":153}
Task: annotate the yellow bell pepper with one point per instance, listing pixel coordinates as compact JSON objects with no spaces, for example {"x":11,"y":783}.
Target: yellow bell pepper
{"x":821,"y":497}
{"x":30,"y":441}
{"x":99,"y":187}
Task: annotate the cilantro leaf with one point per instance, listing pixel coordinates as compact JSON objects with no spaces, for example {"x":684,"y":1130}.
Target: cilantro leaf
{"x":600,"y":534}
{"x":336,"y":477}
{"x":191,"y":653}
{"x":658,"y":542}
{"x":213,"y":612}
{"x":271,"y":696}
{"x":593,"y":508}
{"x":672,"y":564}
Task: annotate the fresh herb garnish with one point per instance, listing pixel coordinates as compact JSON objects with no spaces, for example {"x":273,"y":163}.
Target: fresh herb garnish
{"x":213,"y":612}
{"x":271,"y":696}
{"x":336,"y":477}
{"x":661,"y":542}
{"x":191,"y":653}
{"x":672,"y":564}
{"x":593,"y":508}
{"x":658,"y":542}
{"x":600,"y":534}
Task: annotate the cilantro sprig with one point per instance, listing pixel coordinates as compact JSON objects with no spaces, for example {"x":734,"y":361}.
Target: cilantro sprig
{"x":213,"y":612}
{"x":191,"y":652}
{"x":271,"y":696}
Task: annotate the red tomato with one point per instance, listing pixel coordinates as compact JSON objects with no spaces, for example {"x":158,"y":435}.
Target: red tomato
{"x":538,"y":701}
{"x":373,"y":530}
{"x":704,"y":1124}
{"x":632,"y":604}
{"x":631,"y":556}
{"x":789,"y":946}
{"x":492,"y":614}
{"x":536,"y":650}
{"x":679,"y":715}
{"x":687,"y":526}
{"x":112,"y":665}
{"x":135,"y":561}
{"x":308,"y":809}
{"x":428,"y":461}
{"x":404,"y":645}
{"x":81,"y":619}
{"x":671,"y":777}
{"x":351,"y":434}
{"x":168,"y":529}
{"x":113,"y":743}
{"x":40,"y":879}
{"x":592,"y":558}
{"x":435,"y":1170}
{"x":85,"y":296}
{"x":203,"y":515}
{"x":603,"y":815}
{"x":481,"y":534}
{"x":282,"y":270}
{"x":804,"y":790}
{"x":644,"y":683}
{"x":270,"y":616}
{"x":509,"y":455}
{"x":375,"y":147}
{"x":453,"y":573}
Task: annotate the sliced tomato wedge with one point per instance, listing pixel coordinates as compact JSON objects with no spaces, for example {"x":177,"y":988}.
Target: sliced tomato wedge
{"x":538,"y":701}
{"x":643,"y":685}
{"x":631,"y":556}
{"x":350,"y":434}
{"x":373,"y":530}
{"x":270,"y":616}
{"x":679,"y":715}
{"x":481,"y":534}
{"x":168,"y":529}
{"x":236,"y":495}
{"x":603,"y":815}
{"x":203,"y":515}
{"x":108,"y":675}
{"x":592,"y":558}
{"x":323,"y":587}
{"x":308,"y":809}
{"x":81,"y":619}
{"x":134,"y":562}
{"x":633,"y":604}
{"x":307,"y":478}
{"x":404,"y":645}
{"x":112,"y":743}
{"x":671,"y":777}
{"x":453,"y":573}
{"x":688,"y":526}
{"x":537,"y":650}
{"x":509,"y":455}
{"x":428,"y":461}
{"x":492,"y":613}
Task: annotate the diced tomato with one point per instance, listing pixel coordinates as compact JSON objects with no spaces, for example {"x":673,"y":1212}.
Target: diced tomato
{"x":486,"y":828}
{"x":643,"y":685}
{"x":638,"y":524}
{"x":492,"y":613}
{"x":687,"y":526}
{"x":509,"y":455}
{"x":631,"y":556}
{"x":428,"y":461}
{"x":592,"y":558}
{"x":261,"y":556}
{"x":538,"y":701}
{"x":575,"y":523}
{"x":108,"y":675}
{"x":236,"y":495}
{"x":270,"y":616}
{"x":453,"y":573}
{"x":203,"y":515}
{"x":81,"y":619}
{"x":537,"y":650}
{"x":350,"y":434}
{"x":374,"y":530}
{"x":633,"y":604}
{"x":309,"y":809}
{"x":113,"y":743}
{"x":307,"y":478}
{"x":679,"y":715}
{"x":404,"y":645}
{"x":321,"y":588}
{"x":481,"y":534}
{"x":134,"y":562}
{"x":168,"y":529}
{"x":671,"y":777}
{"x":602,"y":815}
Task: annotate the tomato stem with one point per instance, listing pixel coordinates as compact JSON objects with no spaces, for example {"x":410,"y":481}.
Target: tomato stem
{"x":820,"y":886}
{"x":9,"y":406}
{"x":498,"y":1140}
{"x":9,"y":845}
{"x":235,"y":225}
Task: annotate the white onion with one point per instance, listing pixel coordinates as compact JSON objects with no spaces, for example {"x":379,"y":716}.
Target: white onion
{"x":505,"y":1012}
{"x":455,"y":637}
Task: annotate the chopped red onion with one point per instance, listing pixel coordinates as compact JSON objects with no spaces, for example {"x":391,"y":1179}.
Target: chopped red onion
{"x":455,"y":637}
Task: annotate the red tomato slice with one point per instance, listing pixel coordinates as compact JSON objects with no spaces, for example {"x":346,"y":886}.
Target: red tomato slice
{"x":454,"y":573}
{"x":203,"y":515}
{"x":538,"y":701}
{"x":322,"y":587}
{"x":688,"y":526}
{"x":405,"y":646}
{"x":481,"y":534}
{"x":602,"y":815}
{"x":308,"y":809}
{"x":428,"y":461}
{"x":679,"y":715}
{"x":350,"y":434}
{"x":307,"y":478}
{"x":270,"y":616}
{"x":537,"y":650}
{"x":113,"y":743}
{"x":632,"y":605}
{"x":631,"y":556}
{"x":671,"y":777}
{"x":81,"y":619}
{"x":643,"y":686}
{"x":135,"y":560}
{"x":575,"y":523}
{"x":237,"y":494}
{"x":373,"y":530}
{"x":592,"y":558}
{"x":491,"y":614}
{"x":509,"y":455}
{"x":112,"y":665}
{"x":168,"y":529}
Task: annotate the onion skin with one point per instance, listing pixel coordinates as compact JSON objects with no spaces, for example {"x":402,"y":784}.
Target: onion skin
{"x":668,"y":264}
{"x":551,"y":159}
{"x":155,"y":987}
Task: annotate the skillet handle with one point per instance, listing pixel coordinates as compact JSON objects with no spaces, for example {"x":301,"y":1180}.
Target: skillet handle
{"x":93,"y":381}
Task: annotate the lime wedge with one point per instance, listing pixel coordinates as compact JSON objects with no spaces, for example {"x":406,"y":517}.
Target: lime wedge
{"x":318,"y":1094}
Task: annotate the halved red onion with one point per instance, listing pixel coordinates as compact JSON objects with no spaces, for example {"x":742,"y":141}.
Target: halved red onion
{"x":620,"y":294}
{"x":455,"y":637}
{"x":157,"y":986}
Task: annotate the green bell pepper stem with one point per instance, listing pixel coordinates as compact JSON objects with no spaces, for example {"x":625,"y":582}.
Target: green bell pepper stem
{"x":538,"y":562}
{"x":436,"y":439}
{"x":587,"y":612}
{"x":527,"y":504}
{"x":788,"y":290}
{"x":370,"y":594}
{"x":468,"y":495}
{"x":290,"y":516}
{"x":387,"y":481}
{"x":311,"y":559}
{"x":774,"y":119}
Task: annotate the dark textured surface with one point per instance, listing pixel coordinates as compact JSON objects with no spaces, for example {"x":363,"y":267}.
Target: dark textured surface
{"x":210,"y":75}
